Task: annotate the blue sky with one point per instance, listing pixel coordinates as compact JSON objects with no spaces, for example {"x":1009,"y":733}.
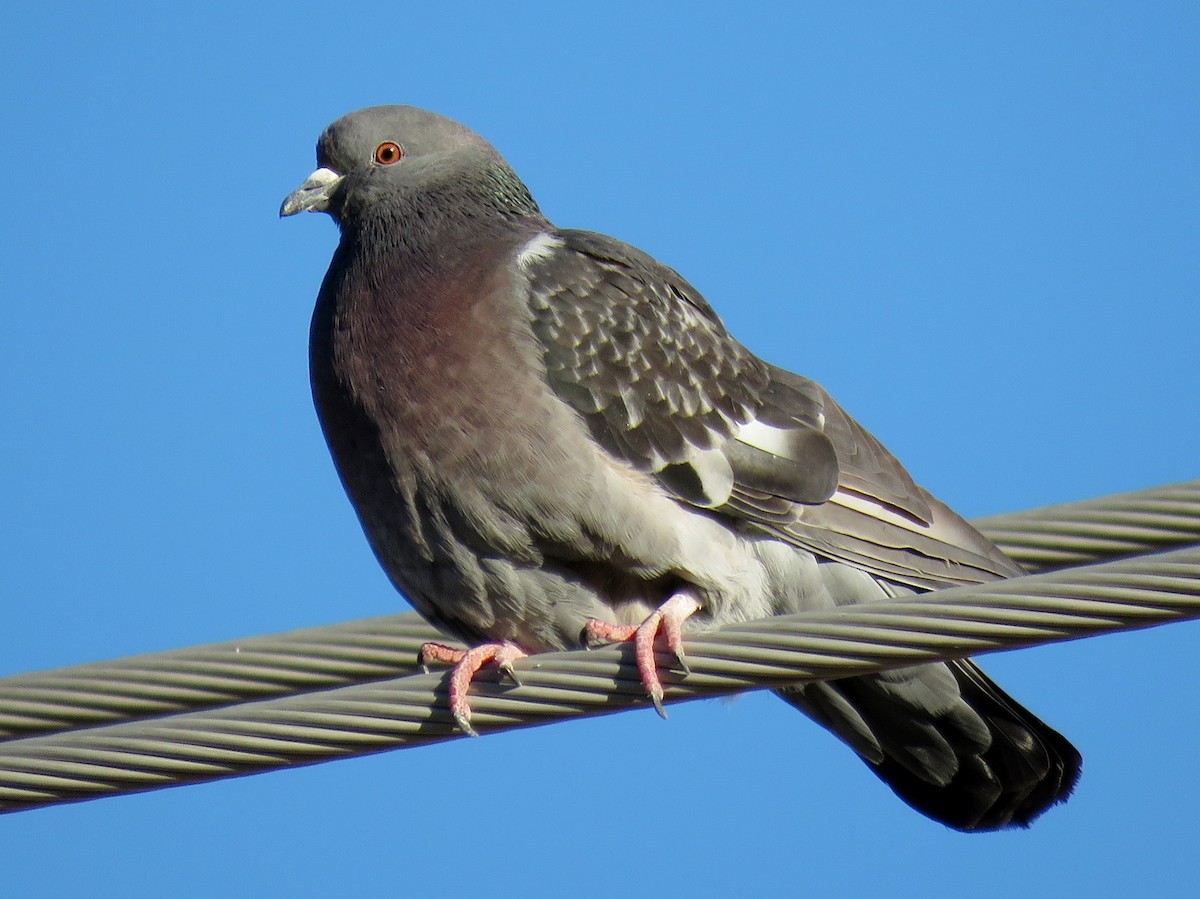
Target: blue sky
{"x":977,"y":225}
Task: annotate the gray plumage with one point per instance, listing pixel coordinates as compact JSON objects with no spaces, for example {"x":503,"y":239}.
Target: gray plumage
{"x":539,"y":427}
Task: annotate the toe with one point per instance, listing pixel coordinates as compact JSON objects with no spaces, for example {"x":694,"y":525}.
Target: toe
{"x":597,"y":633}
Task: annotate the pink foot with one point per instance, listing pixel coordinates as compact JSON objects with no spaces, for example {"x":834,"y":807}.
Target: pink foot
{"x":466,"y":665}
{"x":667,"y":619}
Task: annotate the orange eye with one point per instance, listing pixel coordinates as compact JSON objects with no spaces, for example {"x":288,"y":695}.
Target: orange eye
{"x":388,"y":153}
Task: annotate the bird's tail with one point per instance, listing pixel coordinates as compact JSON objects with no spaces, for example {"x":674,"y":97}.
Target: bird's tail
{"x":949,"y":742}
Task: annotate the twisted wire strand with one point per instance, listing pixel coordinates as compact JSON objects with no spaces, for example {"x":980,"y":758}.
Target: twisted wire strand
{"x":212,"y":675}
{"x":308,"y":728}
{"x":1109,"y":527}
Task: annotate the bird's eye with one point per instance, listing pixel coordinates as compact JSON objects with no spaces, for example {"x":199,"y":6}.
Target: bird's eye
{"x":388,"y":153}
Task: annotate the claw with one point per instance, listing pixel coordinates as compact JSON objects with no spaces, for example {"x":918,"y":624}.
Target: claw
{"x":466,"y":665}
{"x":672,"y":625}
{"x":667,"y":618}
{"x":681,"y":661}
{"x":504,"y":658}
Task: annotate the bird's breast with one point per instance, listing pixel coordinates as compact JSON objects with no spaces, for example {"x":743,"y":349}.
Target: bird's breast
{"x":441,"y":364}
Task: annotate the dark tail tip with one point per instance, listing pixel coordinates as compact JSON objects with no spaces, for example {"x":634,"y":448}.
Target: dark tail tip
{"x":937,"y":761}
{"x":1028,"y":768}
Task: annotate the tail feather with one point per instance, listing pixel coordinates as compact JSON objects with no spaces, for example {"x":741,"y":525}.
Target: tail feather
{"x":971,"y":757}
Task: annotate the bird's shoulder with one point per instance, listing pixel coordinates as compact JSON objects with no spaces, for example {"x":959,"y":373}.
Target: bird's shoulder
{"x":639,"y":353}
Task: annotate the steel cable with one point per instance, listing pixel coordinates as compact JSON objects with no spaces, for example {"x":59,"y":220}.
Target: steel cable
{"x":235,"y":708}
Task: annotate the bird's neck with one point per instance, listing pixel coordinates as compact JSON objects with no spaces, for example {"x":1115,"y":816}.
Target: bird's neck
{"x":403,"y":292}
{"x":443,"y":220}
{"x":422,"y":258}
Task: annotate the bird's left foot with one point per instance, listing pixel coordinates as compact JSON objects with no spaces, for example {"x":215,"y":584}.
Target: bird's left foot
{"x":467,"y":663}
{"x":668,"y":620}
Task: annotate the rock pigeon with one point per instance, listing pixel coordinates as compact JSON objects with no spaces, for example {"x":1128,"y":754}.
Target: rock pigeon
{"x":551,"y":439}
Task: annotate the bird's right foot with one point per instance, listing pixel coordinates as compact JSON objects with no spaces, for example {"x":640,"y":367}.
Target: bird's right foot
{"x":467,"y":663}
{"x":668,"y":620}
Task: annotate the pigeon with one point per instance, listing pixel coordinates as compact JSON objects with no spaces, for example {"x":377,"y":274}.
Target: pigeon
{"x":551,"y":440}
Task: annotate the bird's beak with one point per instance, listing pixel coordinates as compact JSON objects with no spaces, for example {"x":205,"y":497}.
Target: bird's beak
{"x":313,"y":194}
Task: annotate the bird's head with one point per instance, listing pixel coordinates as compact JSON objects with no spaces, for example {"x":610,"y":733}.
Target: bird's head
{"x":401,"y":161}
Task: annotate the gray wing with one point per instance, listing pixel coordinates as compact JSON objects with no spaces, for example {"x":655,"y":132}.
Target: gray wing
{"x":661,"y":384}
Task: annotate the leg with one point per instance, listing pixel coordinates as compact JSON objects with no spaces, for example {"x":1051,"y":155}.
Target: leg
{"x":667,"y":618}
{"x":466,"y":665}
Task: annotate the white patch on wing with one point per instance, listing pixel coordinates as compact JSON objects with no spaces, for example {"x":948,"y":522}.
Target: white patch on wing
{"x":715,"y":474}
{"x":541,"y":247}
{"x":876,"y":510}
{"x":766,"y":438}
